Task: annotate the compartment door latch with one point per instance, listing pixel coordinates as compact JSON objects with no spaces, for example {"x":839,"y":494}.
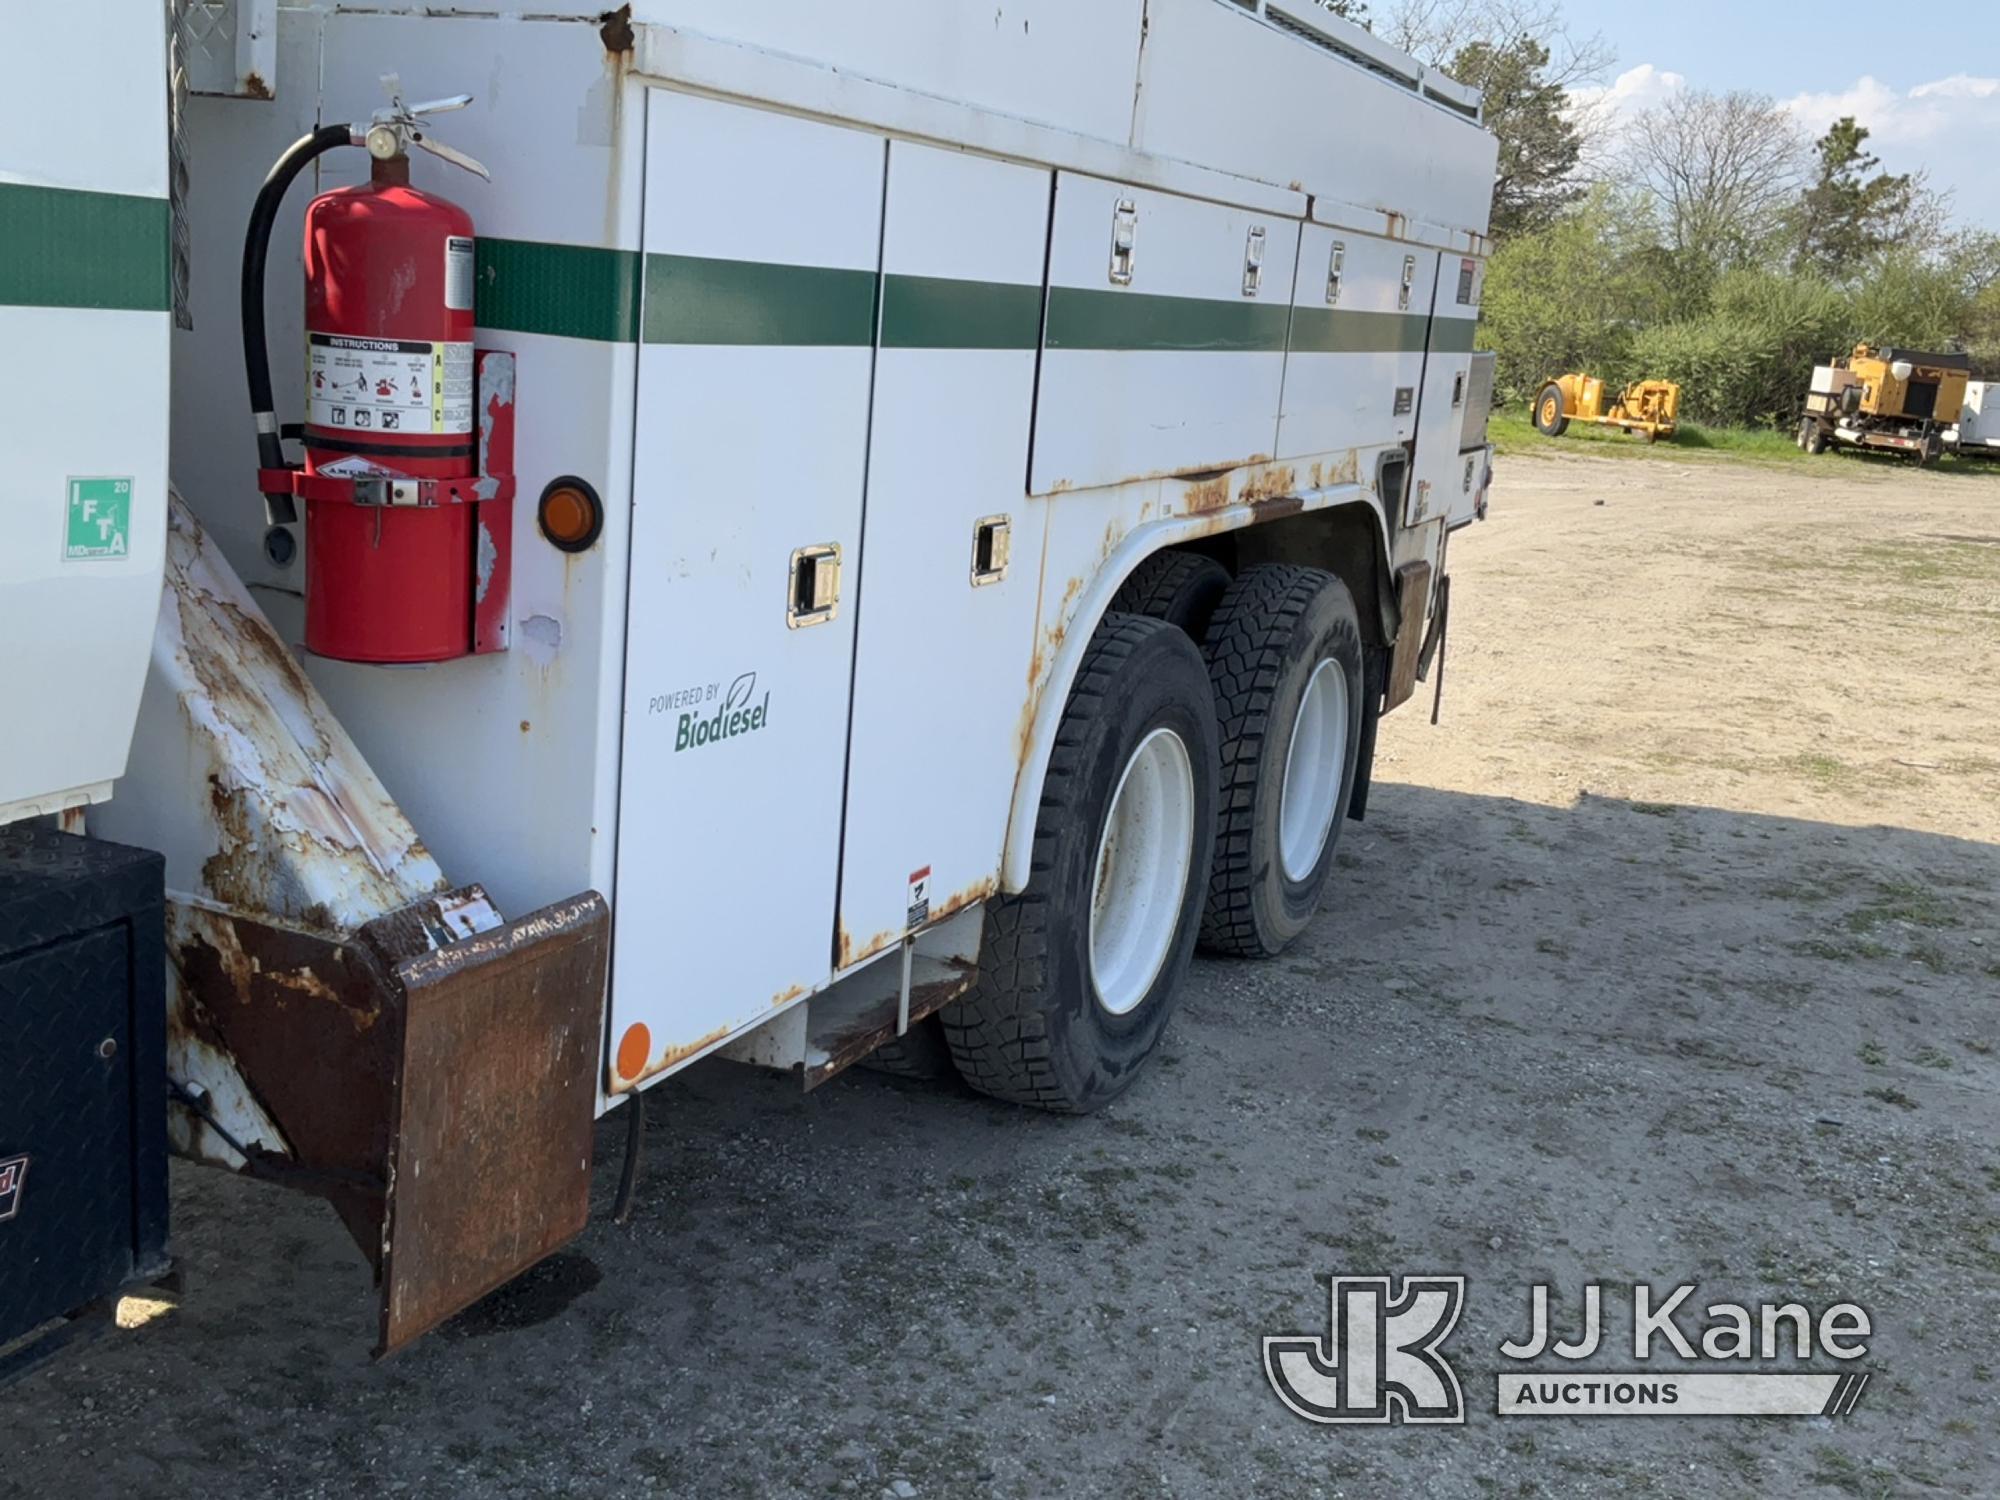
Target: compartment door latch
{"x":814,"y":597}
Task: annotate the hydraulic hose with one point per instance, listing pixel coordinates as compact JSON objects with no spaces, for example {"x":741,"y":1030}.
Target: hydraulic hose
{"x":256,"y":250}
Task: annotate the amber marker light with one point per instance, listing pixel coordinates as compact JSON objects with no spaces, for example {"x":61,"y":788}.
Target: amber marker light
{"x":570,"y":514}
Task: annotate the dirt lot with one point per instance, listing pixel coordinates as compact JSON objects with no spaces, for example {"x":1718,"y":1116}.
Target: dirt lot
{"x":1671,"y":955}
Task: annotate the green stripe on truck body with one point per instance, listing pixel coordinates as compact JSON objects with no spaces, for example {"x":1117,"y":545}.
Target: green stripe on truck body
{"x":620,"y":296}
{"x":1452,"y":335}
{"x":567,"y":291}
{"x":1326,"y":330}
{"x":692,"y":300}
{"x":60,"y":247}
{"x":1142,"y":322}
{"x":932,"y":312}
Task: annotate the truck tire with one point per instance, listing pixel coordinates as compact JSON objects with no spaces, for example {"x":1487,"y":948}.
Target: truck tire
{"x":1284,"y":655}
{"x":1079,"y":972}
{"x":1549,"y":418}
{"x":1181,"y":588}
{"x":921,"y":1052}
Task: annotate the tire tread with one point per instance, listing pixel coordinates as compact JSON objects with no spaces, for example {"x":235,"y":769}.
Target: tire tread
{"x":997,"y":1032}
{"x":1159,"y":587}
{"x":1245,"y":651}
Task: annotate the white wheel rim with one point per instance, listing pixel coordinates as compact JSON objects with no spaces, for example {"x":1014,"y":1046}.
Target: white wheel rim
{"x":1141,"y":872}
{"x":1313,"y":766}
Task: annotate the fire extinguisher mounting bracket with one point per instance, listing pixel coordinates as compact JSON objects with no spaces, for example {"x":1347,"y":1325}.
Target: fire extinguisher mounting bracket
{"x":490,"y":493}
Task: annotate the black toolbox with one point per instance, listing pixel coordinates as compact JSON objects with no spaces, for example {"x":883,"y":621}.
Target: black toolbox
{"x":83,"y":1173}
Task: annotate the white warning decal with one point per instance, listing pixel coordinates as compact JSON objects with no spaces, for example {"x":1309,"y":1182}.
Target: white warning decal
{"x":354,"y":466}
{"x":388,"y":385}
{"x":458,"y":272}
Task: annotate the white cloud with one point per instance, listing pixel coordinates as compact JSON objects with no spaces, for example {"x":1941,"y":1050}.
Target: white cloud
{"x":1633,"y":90}
{"x":1943,"y":128}
{"x":1958,"y":86}
{"x":1960,"y":105}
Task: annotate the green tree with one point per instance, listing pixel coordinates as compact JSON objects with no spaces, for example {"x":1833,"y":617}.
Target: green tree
{"x":1561,"y":298}
{"x":1974,"y":256}
{"x":1749,"y":357}
{"x":1525,"y":59}
{"x":1902,"y":296}
{"x":1846,"y":214}
{"x":1535,"y":178}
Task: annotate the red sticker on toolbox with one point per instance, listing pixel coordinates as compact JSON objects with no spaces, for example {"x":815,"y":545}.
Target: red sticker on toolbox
{"x":13,"y":1173}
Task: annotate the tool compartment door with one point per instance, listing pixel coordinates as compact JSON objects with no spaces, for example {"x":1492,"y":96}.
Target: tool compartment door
{"x":1356,"y":355}
{"x":1175,"y":368}
{"x":942,"y":659}
{"x":762,"y":252}
{"x":1444,"y":482}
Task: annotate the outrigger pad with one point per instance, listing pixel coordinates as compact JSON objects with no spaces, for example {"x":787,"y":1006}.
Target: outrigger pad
{"x":495,"y":1100}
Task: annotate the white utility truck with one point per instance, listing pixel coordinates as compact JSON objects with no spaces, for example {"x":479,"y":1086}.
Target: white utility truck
{"x":871,"y":530}
{"x":1977,"y":431}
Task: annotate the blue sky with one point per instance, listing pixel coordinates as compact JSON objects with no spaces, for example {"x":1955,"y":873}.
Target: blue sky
{"x":1925,"y":78}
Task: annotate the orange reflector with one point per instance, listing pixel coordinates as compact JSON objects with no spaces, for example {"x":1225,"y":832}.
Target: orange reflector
{"x":635,"y":1050}
{"x":570,"y":514}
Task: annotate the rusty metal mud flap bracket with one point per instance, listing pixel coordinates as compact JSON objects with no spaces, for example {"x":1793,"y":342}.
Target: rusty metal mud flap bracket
{"x":438,"y":1090}
{"x":1413,"y":588}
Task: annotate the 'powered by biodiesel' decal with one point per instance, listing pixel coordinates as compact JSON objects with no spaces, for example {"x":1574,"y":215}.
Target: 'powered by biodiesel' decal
{"x":705,"y":715}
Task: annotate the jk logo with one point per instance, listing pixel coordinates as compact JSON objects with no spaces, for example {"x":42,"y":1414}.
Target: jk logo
{"x":1378,"y":1360}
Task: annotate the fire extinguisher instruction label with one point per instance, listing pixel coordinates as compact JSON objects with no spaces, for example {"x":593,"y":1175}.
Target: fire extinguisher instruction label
{"x":388,"y":385}
{"x":458,"y":272}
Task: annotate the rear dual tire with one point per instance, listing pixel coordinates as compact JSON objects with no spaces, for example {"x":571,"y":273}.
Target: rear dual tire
{"x":920,"y":1053}
{"x":1182,"y":588}
{"x":1189,"y":794}
{"x":1079,"y":972}
{"x":1284,"y":656}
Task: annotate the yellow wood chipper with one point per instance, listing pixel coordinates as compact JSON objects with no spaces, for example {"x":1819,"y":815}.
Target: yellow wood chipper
{"x":1648,"y":407}
{"x":1897,"y":399}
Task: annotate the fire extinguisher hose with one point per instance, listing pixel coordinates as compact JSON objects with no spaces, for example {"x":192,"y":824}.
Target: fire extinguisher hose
{"x":256,"y":249}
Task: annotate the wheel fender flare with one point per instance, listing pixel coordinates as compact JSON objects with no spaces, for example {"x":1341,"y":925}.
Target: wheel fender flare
{"x":1091,"y":606}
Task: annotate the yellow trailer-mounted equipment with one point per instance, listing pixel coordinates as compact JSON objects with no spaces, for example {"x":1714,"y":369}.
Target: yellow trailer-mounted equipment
{"x":1897,"y":399}
{"x":1651,"y":407}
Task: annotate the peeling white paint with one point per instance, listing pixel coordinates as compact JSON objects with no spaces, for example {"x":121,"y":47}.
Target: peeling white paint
{"x":485,"y":556}
{"x":541,"y":638}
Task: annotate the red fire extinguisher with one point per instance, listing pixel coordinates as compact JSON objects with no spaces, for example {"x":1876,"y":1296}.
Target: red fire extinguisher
{"x":391,"y":458}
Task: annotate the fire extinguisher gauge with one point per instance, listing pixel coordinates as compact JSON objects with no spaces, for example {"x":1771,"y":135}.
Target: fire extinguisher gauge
{"x":570,"y":514}
{"x":396,"y":128}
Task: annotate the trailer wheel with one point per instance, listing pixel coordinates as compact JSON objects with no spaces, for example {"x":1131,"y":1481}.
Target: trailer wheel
{"x":1812,"y":437}
{"x":1079,"y":972}
{"x":1179,"y":587}
{"x":921,"y":1052}
{"x":1549,"y":418}
{"x":1284,"y":654}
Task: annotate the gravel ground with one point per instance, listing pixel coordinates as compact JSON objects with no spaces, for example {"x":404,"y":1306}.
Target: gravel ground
{"x":1670,"y":956}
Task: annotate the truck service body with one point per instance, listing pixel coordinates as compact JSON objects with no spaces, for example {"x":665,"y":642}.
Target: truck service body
{"x":901,"y":359}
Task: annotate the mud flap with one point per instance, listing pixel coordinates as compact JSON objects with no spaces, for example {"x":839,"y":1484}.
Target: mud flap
{"x":1413,"y":588}
{"x":439,"y":1090}
{"x":495,"y":1100}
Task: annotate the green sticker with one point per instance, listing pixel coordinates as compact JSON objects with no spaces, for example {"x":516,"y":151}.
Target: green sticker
{"x":100,"y":518}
